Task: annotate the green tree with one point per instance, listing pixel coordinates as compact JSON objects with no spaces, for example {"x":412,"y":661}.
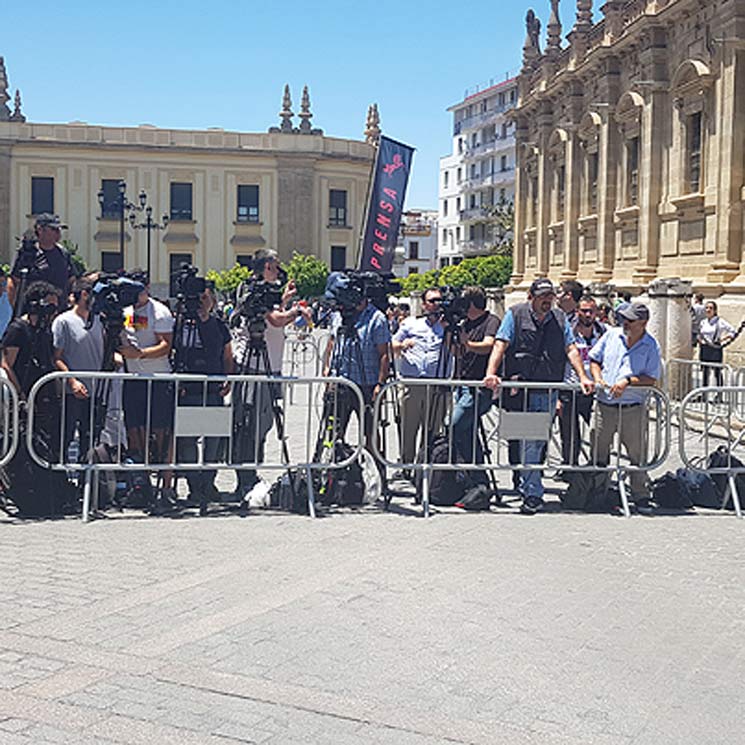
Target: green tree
{"x":310,"y":275}
{"x":500,"y":226}
{"x":78,"y":261}
{"x":227,"y":280}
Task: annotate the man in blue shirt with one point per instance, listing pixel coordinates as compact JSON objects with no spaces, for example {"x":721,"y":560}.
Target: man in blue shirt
{"x":534,"y":342}
{"x":622,"y":361}
{"x":419,"y":345}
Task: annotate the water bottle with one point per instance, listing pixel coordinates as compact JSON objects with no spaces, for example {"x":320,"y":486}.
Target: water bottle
{"x":73,"y":456}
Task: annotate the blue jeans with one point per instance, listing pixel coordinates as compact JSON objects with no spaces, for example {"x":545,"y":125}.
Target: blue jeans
{"x":470,"y":403}
{"x":534,"y":451}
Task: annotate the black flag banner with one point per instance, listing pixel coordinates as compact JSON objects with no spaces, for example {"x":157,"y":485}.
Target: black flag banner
{"x":392,"y":168}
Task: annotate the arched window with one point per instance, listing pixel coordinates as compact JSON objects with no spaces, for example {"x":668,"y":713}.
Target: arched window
{"x":629,"y":117}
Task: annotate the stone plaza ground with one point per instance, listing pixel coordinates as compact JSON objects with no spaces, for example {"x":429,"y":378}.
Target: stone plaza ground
{"x":373,"y":627}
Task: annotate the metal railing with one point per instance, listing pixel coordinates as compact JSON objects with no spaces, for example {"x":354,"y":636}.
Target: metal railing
{"x":9,"y":408}
{"x":214,"y":422}
{"x":514,"y":431}
{"x":715,"y":412}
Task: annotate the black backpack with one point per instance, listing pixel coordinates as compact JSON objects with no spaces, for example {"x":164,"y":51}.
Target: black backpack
{"x":344,"y":486}
{"x":684,"y":489}
{"x":445,"y":487}
{"x":722,"y":458}
{"x":290,"y":493}
{"x":590,"y":492}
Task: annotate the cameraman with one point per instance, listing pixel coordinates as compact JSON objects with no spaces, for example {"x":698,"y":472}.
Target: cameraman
{"x":149,"y":330}
{"x":51,"y":262}
{"x":27,"y":344}
{"x":78,"y":348}
{"x":473,"y":346}
{"x":419,"y":345}
{"x":204,"y":347}
{"x":371,"y":330}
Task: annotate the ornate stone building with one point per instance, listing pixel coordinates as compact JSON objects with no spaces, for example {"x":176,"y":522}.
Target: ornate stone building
{"x":226,"y":193}
{"x":631,"y":146}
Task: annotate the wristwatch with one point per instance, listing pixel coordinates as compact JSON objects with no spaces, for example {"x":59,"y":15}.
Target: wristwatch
{"x":628,"y":379}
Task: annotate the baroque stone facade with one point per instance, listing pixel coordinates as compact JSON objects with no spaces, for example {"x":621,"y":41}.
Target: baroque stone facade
{"x":226,"y":193}
{"x":631,"y":146}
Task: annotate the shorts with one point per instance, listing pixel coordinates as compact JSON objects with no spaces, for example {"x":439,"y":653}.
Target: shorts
{"x":135,"y":398}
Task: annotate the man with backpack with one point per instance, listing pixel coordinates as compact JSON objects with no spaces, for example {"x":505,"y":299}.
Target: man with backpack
{"x":534,"y":342}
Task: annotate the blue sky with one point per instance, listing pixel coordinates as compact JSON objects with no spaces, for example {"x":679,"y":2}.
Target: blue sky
{"x":224,"y":64}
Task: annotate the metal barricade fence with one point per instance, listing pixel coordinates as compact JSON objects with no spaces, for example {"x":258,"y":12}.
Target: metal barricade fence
{"x":301,"y":357}
{"x":519,"y":436}
{"x":204,"y":425}
{"x":9,"y":409}
{"x":715,"y":412}
{"x":683,"y":376}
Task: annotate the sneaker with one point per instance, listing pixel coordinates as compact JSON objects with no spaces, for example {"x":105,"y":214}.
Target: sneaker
{"x":644,"y":506}
{"x":531,"y":505}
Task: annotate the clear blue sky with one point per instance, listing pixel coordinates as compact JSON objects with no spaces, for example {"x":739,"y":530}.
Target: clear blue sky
{"x":224,"y":64}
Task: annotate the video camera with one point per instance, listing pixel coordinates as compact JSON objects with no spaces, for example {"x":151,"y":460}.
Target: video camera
{"x":189,"y":288}
{"x":454,"y":307}
{"x":43,"y":310}
{"x":346,"y":290}
{"x":256,"y":297}
{"x":110,"y":296}
{"x":27,"y":251}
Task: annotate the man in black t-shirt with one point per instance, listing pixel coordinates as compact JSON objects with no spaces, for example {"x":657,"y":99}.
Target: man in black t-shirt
{"x":203,"y":348}
{"x":52,"y":262}
{"x":473,"y":347}
{"x":27,"y":350}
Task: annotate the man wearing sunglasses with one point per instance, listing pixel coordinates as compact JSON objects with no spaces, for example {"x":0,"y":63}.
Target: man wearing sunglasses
{"x":52,"y":262}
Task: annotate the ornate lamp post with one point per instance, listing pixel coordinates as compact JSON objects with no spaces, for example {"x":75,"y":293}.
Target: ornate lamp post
{"x":148,"y":225}
{"x":122,"y":205}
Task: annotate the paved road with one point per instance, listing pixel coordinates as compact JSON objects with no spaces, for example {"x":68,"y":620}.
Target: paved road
{"x":373,"y":628}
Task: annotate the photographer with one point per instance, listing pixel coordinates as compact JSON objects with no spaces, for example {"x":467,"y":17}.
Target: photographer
{"x":27,"y":352}
{"x":418,"y":343}
{"x":473,"y":346}
{"x":78,"y":348}
{"x":365,"y":363}
{"x":148,"y":327}
{"x":50,"y":262}
{"x":204,"y":347}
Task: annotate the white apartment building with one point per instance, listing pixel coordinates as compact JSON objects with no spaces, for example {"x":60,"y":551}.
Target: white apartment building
{"x":416,"y":252}
{"x":479,"y":173}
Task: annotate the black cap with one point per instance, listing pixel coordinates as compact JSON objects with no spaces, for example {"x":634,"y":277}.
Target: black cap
{"x":633,"y":312}
{"x":48,"y":220}
{"x":542,"y":286}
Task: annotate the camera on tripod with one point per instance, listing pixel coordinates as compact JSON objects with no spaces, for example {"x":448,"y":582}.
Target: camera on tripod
{"x":27,"y":251}
{"x":453,"y":307}
{"x":346,"y":290}
{"x":110,"y":296}
{"x":189,"y":288}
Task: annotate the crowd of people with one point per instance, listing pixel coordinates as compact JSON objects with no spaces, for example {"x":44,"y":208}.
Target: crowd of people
{"x":558,"y":335}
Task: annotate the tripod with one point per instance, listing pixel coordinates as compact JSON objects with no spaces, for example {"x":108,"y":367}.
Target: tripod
{"x":249,"y":427}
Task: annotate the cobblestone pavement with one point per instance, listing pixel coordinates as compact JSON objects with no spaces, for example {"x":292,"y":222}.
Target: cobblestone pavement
{"x":373,"y":628}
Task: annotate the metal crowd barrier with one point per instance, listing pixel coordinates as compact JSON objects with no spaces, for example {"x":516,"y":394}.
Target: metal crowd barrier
{"x":716,"y":413}
{"x":9,"y":435}
{"x":201,"y":416}
{"x":524,"y":414}
{"x":301,"y":357}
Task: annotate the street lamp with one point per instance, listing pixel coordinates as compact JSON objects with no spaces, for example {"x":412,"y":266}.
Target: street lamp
{"x":123,"y":205}
{"x":148,"y":225}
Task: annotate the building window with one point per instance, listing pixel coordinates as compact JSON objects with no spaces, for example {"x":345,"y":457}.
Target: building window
{"x":504,"y":131}
{"x":338,"y":258}
{"x":501,"y":99}
{"x":460,"y":175}
{"x":244,"y":260}
{"x":175,"y":262}
{"x":593,"y":167}
{"x":457,"y":260}
{"x":472,"y":201}
{"x":534,"y":202}
{"x":473,"y":170}
{"x":561,"y":173}
{"x":413,"y":250}
{"x":338,"y":207}
{"x":474,"y":139}
{"x":42,"y":194}
{"x":695,"y":141}
{"x":458,"y":204}
{"x":443,"y":263}
{"x":248,"y":204}
{"x":445,"y":179}
{"x":632,"y":172}
{"x":513,"y":96}
{"x":503,"y":163}
{"x":181,"y":201}
{"x":110,"y":209}
{"x":444,"y":207}
{"x":413,"y":270}
{"x":460,"y":146}
{"x":457,"y":234}
{"x":111,"y":262}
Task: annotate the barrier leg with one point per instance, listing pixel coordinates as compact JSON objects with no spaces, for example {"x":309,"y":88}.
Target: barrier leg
{"x":624,"y":495}
{"x":735,"y":496}
{"x":95,"y":483}
{"x":426,"y":473}
{"x":87,"y":495}
{"x":311,"y":494}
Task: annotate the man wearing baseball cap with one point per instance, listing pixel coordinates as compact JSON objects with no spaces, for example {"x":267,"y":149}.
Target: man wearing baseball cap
{"x":534,"y":342}
{"x":51,"y":263}
{"x":624,"y":360}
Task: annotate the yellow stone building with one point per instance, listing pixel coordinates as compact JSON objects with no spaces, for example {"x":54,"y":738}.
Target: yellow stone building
{"x":225,"y":193}
{"x":631,"y":146}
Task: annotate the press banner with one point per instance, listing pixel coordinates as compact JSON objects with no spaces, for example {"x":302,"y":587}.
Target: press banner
{"x":387,"y":195}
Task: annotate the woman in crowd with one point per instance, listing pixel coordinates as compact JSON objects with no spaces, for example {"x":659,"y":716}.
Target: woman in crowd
{"x":713,"y":335}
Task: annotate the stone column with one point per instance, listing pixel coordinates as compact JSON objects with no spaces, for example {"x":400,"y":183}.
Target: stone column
{"x":495,"y":301}
{"x":522,"y":203}
{"x":670,"y":324}
{"x":573,"y":206}
{"x":545,"y":198}
{"x":601,"y":291}
{"x":415,"y":303}
{"x":5,"y":237}
{"x":296,"y":225}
